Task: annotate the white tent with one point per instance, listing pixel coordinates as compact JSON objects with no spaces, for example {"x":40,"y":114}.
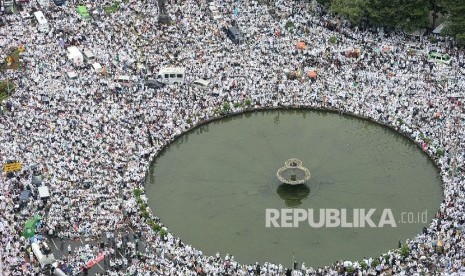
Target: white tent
{"x":97,"y":67}
{"x":439,"y":28}
{"x":75,"y":55}
{"x":71,"y":74}
{"x":44,"y":193}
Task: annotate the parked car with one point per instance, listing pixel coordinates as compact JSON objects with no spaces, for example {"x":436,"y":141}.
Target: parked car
{"x":154,"y":84}
{"x":234,"y":34}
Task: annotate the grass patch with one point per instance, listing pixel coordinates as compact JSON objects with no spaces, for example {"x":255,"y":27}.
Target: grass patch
{"x":4,"y":89}
{"x":12,"y":61}
{"x":112,"y":8}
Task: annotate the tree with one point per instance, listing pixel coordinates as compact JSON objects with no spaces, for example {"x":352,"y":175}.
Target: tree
{"x":436,"y":7}
{"x":353,"y":10}
{"x":456,"y":19}
{"x":405,"y":14}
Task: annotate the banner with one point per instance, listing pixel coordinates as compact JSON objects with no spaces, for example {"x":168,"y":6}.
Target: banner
{"x":91,"y":263}
{"x":12,"y":167}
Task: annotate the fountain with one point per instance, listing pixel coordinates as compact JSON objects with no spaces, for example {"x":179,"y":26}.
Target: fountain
{"x":293,"y":173}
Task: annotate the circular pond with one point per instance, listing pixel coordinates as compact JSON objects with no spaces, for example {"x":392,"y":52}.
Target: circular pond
{"x":216,"y":188}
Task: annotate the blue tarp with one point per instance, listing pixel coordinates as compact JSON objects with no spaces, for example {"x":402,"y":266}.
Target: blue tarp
{"x":25,"y":195}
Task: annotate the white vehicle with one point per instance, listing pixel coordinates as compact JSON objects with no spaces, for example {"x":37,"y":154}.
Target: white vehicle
{"x":75,"y":55}
{"x":214,"y":12}
{"x":201,"y":83}
{"x":71,"y":75}
{"x":57,"y":271}
{"x":88,"y":55}
{"x":125,"y":81}
{"x":170,"y":75}
{"x":43,"y":253}
{"x":25,"y":15}
{"x":42,"y":24}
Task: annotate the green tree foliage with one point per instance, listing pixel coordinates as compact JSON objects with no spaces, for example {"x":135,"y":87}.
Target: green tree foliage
{"x":405,"y":14}
{"x":408,"y":15}
{"x":456,"y":19}
{"x":353,"y":10}
{"x":436,"y":7}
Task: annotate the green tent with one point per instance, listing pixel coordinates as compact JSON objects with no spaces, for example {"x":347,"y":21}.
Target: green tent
{"x":29,"y":229}
{"x":82,"y":10}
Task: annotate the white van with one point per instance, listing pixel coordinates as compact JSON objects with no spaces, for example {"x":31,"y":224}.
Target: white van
{"x":170,"y":75}
{"x":42,"y":24}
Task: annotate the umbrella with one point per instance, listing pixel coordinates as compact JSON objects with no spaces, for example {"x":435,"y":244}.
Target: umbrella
{"x":30,"y":227}
{"x":440,"y":243}
{"x":301,"y":45}
{"x":312,"y":74}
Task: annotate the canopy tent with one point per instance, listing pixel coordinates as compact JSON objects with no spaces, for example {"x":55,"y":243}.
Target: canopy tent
{"x":312,"y":74}
{"x":82,"y":10}
{"x":71,"y":74}
{"x":439,"y":28}
{"x":25,"y":195}
{"x":30,"y":226}
{"x":44,"y":193}
{"x":418,"y":33}
{"x":97,"y":67}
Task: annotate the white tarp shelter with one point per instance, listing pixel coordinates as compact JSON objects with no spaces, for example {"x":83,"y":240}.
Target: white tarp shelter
{"x":42,"y":23}
{"x":439,"y":28}
{"x":97,"y":67}
{"x":44,"y":193}
{"x":71,"y":74}
{"x":89,"y":55}
{"x":75,"y":55}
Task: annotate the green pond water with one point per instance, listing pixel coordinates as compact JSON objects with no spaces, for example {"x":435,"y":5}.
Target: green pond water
{"x":213,"y":185}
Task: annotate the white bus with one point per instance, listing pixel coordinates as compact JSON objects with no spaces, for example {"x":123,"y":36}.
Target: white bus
{"x":170,"y":75}
{"x":43,"y":253}
{"x":42,"y":24}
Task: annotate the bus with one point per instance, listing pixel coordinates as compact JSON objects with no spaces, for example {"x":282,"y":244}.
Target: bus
{"x":170,"y":75}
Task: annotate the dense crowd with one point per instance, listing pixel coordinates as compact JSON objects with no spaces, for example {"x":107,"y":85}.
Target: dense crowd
{"x":92,"y":141}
